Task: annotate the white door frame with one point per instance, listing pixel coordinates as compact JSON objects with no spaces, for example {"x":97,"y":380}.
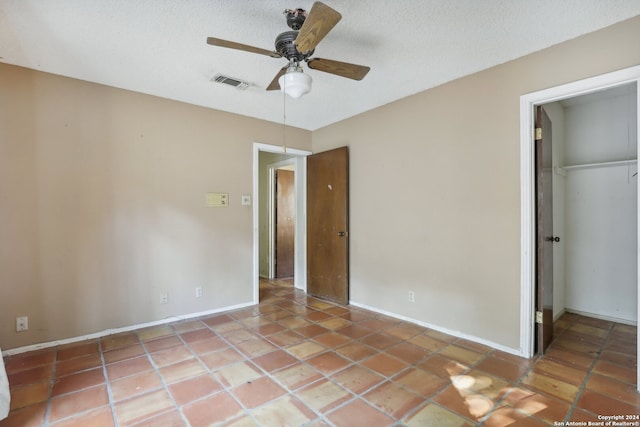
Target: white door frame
{"x":271,"y":207}
{"x":300,"y":177}
{"x":527,"y":186}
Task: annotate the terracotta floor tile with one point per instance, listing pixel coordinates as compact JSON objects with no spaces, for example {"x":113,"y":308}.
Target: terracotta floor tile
{"x":254,"y":322}
{"x":443,"y":367}
{"x":385,"y":364}
{"x":328,"y":362}
{"x":102,"y":417}
{"x":561,"y":371}
{"x":207,"y":345}
{"x":29,"y":395}
{"x":335,"y":324}
{"x":269,"y":329}
{"x":79,"y":381}
{"x":408,"y":352}
{"x":171,"y":355}
{"x":77,"y":364}
{"x":440,"y":336}
{"x":393,"y":400}
{"x":197,"y":335}
{"x":357,"y":379}
{"x":378,"y":324}
{"x":420,"y":382}
{"x":474,"y":346}
{"x":331,"y":340}
{"x":323,"y":395}
{"x":286,"y":411}
{"x":186,"y":326}
{"x":165,"y":419}
{"x":601,"y":404}
{"x":227,"y":328}
{"x":428,"y":343}
{"x":297,"y":376}
{"x":536,"y":404}
{"x":467,"y":357}
{"x":218,"y":319}
{"x":435,"y":415}
{"x":155,"y":332}
{"x":286,"y":338}
{"x":242,"y":313}
{"x":81,"y":401}
{"x":239,"y":336}
{"x":120,"y":354}
{"x":29,"y":360}
{"x":317,"y":316}
{"x":551,"y":386}
{"x":614,"y":389}
{"x":126,"y":339}
{"x":162,"y":343}
{"x":135,"y":384}
{"x":212,"y":410}
{"x":381,"y":340}
{"x":220,"y":358}
{"x":305,"y":349}
{"x":181,"y":370}
{"x":77,"y":349}
{"x":139,"y":408}
{"x":275,"y":360}
{"x":31,"y":376}
{"x":404,"y":331}
{"x":31,"y":416}
{"x":356,"y":351}
{"x":569,"y":358}
{"x":507,"y":416}
{"x":502,"y":368}
{"x":453,"y":400}
{"x":628,"y":361}
{"x":355,"y":331}
{"x":618,"y":372}
{"x":294,"y":322}
{"x":311,"y":330}
{"x":187,"y":391}
{"x":255,"y":347}
{"x":128,"y":367}
{"x":359,"y":414}
{"x":240,"y":373}
{"x":254,"y":393}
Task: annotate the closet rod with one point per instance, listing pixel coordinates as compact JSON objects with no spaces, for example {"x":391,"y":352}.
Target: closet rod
{"x":600,"y":165}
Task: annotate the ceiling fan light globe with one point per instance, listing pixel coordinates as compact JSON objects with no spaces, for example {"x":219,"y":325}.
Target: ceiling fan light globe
{"x":295,"y":83}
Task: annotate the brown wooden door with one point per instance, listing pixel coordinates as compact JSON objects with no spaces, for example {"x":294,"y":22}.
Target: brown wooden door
{"x":328,"y":225}
{"x":544,"y":231}
{"x":285,"y":222}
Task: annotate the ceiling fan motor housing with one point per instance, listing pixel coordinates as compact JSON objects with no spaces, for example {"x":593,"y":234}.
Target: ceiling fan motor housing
{"x":286,"y":47}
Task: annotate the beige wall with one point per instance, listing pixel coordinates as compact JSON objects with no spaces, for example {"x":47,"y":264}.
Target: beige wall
{"x":435,"y":188}
{"x":102,"y":206}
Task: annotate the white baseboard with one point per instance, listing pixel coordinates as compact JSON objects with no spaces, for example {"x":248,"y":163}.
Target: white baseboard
{"x":601,"y":317}
{"x":113,"y":331}
{"x":457,"y":334}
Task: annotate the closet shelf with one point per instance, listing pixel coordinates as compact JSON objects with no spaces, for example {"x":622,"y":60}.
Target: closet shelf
{"x":562,"y":169}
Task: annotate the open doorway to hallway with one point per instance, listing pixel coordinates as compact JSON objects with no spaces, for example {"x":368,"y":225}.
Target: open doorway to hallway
{"x":268,"y":163}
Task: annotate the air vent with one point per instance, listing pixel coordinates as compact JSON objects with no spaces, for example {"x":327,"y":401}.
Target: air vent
{"x":239,"y":84}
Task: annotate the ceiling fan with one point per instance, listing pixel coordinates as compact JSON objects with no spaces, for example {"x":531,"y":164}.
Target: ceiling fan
{"x":298,"y":45}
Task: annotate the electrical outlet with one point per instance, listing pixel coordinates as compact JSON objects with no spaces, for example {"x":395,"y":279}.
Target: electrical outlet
{"x":164,"y":298}
{"x":412,"y":296}
{"x":22,"y":324}
{"x":198,"y":292}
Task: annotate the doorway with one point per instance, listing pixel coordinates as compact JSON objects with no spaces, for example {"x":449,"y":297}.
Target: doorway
{"x":528,"y":214}
{"x":265,"y":158}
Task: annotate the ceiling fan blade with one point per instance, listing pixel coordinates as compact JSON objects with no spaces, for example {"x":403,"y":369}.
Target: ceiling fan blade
{"x":344,"y":69}
{"x":319,"y":22}
{"x":274,"y":85}
{"x":239,"y":46}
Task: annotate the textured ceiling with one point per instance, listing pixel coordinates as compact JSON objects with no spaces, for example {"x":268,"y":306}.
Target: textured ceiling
{"x":158,"y":47}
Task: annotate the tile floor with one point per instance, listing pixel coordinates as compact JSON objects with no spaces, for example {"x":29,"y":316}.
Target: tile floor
{"x":294,"y":360}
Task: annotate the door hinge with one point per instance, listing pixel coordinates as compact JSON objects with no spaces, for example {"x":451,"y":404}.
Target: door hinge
{"x":539,"y":317}
{"x":538,"y":134}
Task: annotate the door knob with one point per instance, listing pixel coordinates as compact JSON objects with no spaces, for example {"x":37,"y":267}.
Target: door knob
{"x":553,"y":239}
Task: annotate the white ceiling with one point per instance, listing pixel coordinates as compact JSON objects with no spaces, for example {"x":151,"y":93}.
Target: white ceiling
{"x":158,"y":47}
